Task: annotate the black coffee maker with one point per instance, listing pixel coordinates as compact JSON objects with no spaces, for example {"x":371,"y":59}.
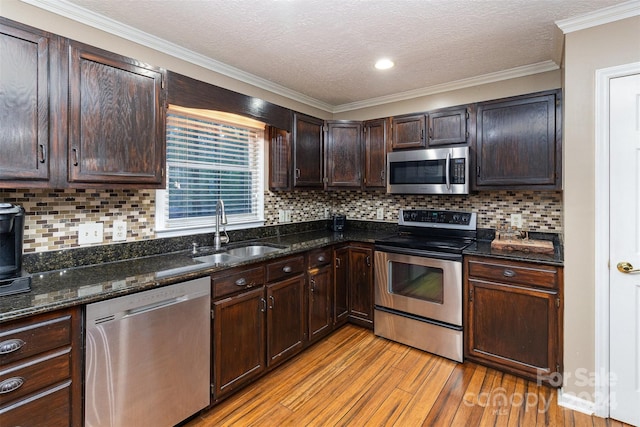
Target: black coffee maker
{"x":12,"y":278}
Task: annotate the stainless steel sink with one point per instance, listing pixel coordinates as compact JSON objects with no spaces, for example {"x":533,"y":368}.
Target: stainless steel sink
{"x":238,"y":254}
{"x":251,"y":251}
{"x":219,"y":258}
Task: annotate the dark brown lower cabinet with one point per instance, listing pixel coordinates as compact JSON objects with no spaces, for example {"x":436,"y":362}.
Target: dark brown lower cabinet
{"x":40,"y":370}
{"x":341,"y":286}
{"x":514,"y":317}
{"x":285,"y":319}
{"x":238,"y":340}
{"x":320,"y":285}
{"x":361,"y":285}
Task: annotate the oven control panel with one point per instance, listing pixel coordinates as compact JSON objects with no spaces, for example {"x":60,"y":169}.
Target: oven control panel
{"x":438,"y":219}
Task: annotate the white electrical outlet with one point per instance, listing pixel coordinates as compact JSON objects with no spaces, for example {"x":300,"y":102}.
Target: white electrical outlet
{"x":119,"y":231}
{"x":90,"y":232}
{"x":281,"y":215}
{"x":380,"y":213}
{"x":516,"y":220}
{"x":326,"y":213}
{"x":287,"y":215}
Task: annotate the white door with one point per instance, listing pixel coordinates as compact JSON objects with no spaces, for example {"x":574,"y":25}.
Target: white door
{"x":624,"y":133}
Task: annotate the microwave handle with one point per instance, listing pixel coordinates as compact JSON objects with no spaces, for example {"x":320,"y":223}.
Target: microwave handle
{"x":447,"y":167}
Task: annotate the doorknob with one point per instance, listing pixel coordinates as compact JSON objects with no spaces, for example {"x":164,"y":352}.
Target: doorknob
{"x":625,"y":267}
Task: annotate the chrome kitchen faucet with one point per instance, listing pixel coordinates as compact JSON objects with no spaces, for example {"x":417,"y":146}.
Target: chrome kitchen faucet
{"x":221,"y":217}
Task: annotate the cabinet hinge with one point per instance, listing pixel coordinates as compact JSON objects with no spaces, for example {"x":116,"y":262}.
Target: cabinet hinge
{"x":558,"y":302}
{"x":213,"y":389}
{"x":466,"y":134}
{"x":470,"y":295}
{"x":325,"y":128}
{"x":478,"y":171}
{"x":162,"y":83}
{"x":466,"y":114}
{"x":212,"y":314}
{"x":557,"y":367}
{"x":162,"y":172}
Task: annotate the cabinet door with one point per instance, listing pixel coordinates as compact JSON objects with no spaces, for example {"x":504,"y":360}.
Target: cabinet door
{"x":408,"y":132}
{"x":238,"y":340}
{"x":285,"y":319}
{"x":518,"y":143}
{"x":308,"y":151}
{"x":279,"y":159}
{"x":361,"y":284}
{"x":319,"y":302}
{"x":344,"y":155}
{"x":448,"y":126}
{"x":24,"y":107}
{"x":341,"y":286}
{"x":513,"y":328}
{"x":375,"y":152}
{"x":116,"y":120}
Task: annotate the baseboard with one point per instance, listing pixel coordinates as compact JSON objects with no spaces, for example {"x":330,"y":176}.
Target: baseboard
{"x":573,"y":402}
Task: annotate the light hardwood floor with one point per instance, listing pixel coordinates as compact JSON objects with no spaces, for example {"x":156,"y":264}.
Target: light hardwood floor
{"x":353,"y":378}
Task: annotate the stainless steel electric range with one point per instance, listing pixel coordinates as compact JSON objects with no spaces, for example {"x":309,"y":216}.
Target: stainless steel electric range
{"x":418,"y":280}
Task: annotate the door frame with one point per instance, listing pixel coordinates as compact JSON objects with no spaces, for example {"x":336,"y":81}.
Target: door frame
{"x":602,"y":236}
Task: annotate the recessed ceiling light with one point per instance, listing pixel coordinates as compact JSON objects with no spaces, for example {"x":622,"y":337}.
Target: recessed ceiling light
{"x":384,"y":64}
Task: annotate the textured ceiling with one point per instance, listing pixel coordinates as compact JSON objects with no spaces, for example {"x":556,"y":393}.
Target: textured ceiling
{"x":325,"y":49}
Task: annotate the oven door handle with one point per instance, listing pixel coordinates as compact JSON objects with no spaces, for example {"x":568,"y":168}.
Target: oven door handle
{"x":420,"y":253}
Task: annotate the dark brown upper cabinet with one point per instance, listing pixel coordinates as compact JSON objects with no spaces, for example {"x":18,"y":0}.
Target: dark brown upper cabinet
{"x":448,"y":126}
{"x":408,"y":131}
{"x":519,"y":143}
{"x":116,"y":119}
{"x":308,"y":152}
{"x":344,"y":154}
{"x":279,"y":159}
{"x":375,"y":153}
{"x":26,"y":138}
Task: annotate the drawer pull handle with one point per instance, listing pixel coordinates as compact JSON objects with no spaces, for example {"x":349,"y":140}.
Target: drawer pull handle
{"x":241,"y":281}
{"x":287,"y":269}
{"x":11,"y":384}
{"x":321,"y":258}
{"x":509,"y":273}
{"x":10,"y":346}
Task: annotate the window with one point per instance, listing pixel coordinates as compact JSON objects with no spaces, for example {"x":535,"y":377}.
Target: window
{"x":211,"y":156}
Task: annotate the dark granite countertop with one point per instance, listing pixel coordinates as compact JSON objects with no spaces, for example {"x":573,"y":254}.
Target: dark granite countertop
{"x":85,"y":284}
{"x":483,"y":248}
{"x":82,"y":284}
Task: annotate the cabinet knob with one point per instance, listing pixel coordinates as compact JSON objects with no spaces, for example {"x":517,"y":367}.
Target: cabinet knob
{"x":75,"y":156}
{"x":287,"y":269}
{"x":241,"y":281}
{"x":9,"y":346}
{"x":509,"y":273}
{"x":42,"y":154}
{"x":321,"y":258}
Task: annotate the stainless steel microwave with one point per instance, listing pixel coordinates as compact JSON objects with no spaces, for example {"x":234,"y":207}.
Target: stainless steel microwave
{"x":428,"y":171}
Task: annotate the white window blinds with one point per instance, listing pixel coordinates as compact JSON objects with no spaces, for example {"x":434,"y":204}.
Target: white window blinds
{"x":210,"y":159}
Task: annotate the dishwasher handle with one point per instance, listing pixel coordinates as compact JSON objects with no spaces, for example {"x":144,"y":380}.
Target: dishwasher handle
{"x":155,"y":305}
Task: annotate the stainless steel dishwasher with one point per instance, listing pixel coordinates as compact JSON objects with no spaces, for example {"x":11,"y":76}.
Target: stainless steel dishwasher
{"x":148,"y":356}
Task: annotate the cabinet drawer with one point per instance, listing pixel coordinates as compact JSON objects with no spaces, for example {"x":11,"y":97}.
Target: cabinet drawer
{"x":236,"y":281}
{"x":285,"y":268}
{"x":319,"y":258}
{"x":35,"y":374}
{"x":514,"y":272}
{"x":51,"y":408}
{"x":23,"y":339}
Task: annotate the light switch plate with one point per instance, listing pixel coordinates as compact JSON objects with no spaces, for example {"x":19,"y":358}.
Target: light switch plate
{"x":119,"y":231}
{"x":516,"y":220}
{"x":90,"y":232}
{"x":380,"y":213}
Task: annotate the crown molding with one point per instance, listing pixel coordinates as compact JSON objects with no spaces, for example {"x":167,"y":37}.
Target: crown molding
{"x":108,"y":25}
{"x":599,"y":17}
{"x":512,"y":73}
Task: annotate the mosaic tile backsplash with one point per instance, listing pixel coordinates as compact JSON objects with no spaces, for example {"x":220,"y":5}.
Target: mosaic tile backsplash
{"x":53,"y":215}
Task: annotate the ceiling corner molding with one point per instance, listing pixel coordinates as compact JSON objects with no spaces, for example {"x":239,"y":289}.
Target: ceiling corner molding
{"x":600,"y":17}
{"x":512,"y":73}
{"x":100,"y":22}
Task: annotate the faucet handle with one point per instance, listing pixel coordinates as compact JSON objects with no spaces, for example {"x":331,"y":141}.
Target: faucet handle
{"x":194,"y":250}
